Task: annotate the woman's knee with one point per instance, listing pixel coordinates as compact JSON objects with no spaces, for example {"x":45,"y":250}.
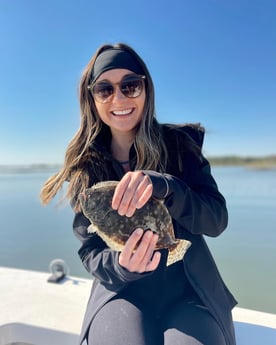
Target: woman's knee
{"x":120,"y":322}
{"x":191,"y":324}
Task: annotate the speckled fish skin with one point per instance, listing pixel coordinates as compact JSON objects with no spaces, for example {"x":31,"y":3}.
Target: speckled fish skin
{"x":115,"y":229}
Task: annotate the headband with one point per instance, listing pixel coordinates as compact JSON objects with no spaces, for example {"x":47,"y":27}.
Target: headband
{"x":115,"y":58}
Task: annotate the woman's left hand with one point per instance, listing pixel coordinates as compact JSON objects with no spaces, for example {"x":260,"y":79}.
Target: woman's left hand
{"x":131,"y":193}
{"x":138,"y":254}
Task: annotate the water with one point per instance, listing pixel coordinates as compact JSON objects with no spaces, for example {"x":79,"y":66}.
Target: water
{"x":32,"y":235}
{"x":246,"y":252}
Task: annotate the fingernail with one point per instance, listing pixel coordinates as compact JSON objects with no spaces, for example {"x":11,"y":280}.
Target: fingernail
{"x":129,"y":214}
{"x":149,"y":234}
{"x":121,"y":213}
{"x":139,"y":232}
{"x":114,"y":205}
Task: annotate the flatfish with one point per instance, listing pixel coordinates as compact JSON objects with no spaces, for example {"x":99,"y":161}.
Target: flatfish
{"x":115,"y":229}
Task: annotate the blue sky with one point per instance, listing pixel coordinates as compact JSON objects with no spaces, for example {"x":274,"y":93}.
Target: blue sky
{"x":212,"y":61}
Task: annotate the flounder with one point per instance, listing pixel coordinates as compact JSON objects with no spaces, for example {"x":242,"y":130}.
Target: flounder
{"x":115,"y":229}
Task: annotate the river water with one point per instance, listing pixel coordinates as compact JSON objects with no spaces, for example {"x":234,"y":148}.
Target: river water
{"x":32,"y":235}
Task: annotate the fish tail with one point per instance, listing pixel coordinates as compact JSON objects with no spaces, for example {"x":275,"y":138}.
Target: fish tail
{"x":178,"y":252}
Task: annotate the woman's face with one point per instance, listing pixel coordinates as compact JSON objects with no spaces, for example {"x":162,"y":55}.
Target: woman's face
{"x":121,"y":114}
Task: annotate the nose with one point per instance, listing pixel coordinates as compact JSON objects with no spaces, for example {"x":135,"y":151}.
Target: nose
{"x":118,"y":95}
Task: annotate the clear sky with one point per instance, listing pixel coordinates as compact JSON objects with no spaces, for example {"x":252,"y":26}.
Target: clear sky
{"x":212,"y":61}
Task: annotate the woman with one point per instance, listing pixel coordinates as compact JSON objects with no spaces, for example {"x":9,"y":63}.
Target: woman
{"x":136,"y":299}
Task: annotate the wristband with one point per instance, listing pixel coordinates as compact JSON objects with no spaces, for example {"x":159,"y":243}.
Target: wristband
{"x":167,"y":186}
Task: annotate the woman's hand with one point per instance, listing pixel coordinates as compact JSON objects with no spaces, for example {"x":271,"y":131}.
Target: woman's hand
{"x":132,"y":192}
{"x":138,"y":253}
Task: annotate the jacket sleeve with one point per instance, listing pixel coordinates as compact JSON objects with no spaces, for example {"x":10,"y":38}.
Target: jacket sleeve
{"x":197,"y":206}
{"x":99,"y":260}
{"x":192,"y":198}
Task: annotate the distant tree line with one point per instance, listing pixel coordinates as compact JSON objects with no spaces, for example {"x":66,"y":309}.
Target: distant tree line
{"x":266,"y":162}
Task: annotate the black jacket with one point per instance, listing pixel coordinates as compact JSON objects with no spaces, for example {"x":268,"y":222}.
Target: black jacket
{"x":196,"y":207}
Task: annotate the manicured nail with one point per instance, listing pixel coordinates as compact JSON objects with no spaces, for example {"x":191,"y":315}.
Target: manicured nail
{"x":129,"y":214}
{"x":155,"y":237}
{"x":149,"y":234}
{"x":139,"y":232}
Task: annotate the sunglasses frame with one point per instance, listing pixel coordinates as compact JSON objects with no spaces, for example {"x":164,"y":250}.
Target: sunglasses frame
{"x":119,"y":84}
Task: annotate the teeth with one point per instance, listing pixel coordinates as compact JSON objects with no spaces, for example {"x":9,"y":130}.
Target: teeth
{"x":122,"y":112}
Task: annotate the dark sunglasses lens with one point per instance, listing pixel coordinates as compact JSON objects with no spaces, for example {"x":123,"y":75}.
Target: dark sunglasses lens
{"x":132,"y":86}
{"x":102,"y":90}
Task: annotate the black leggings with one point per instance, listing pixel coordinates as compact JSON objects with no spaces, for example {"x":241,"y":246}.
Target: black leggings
{"x":120,"y":322}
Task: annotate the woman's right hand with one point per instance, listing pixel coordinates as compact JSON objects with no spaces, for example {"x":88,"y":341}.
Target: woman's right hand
{"x":138,"y":254}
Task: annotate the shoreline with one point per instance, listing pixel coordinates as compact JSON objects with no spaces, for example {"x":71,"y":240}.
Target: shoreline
{"x":250,"y":162}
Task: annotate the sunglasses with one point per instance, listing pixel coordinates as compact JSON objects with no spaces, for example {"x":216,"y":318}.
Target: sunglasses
{"x":131,"y":86}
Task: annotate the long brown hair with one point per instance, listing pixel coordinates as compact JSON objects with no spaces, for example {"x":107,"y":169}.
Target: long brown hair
{"x":149,"y":144}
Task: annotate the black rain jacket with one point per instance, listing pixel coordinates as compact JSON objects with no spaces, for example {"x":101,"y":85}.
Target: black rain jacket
{"x":197,"y":209}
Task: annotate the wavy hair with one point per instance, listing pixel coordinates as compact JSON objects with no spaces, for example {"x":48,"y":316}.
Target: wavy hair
{"x":148,"y":143}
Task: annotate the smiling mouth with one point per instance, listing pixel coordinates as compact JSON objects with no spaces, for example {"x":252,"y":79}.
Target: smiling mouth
{"x":123,"y":112}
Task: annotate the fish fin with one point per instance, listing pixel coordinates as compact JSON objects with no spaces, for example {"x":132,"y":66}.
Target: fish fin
{"x":112,"y":242}
{"x":178,"y":252}
{"x":92,"y":228}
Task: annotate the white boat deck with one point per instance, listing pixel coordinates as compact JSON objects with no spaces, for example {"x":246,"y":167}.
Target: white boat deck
{"x":36,"y":312}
